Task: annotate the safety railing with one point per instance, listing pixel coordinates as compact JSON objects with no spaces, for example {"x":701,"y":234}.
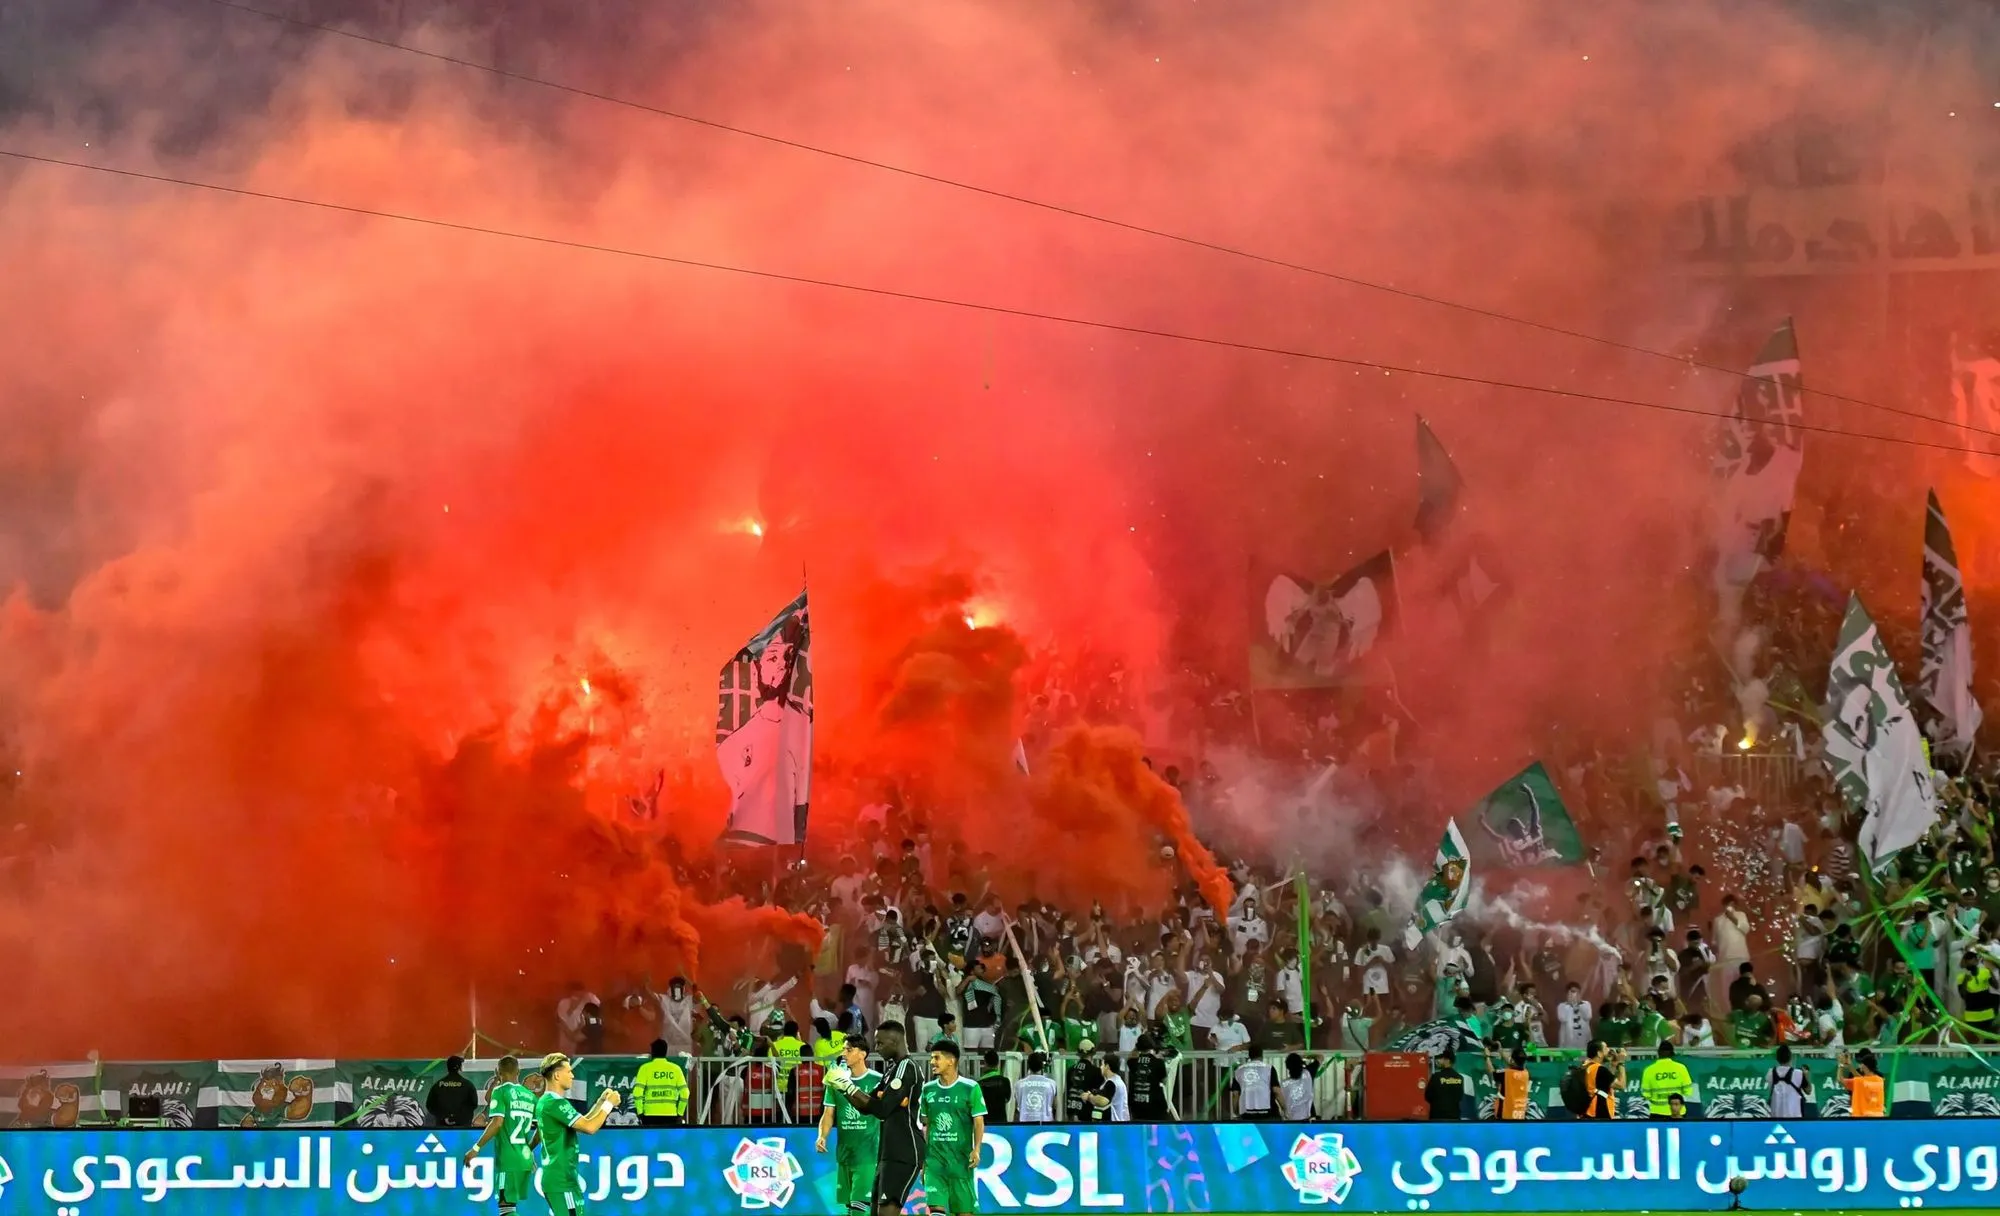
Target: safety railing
{"x":763,"y":1092}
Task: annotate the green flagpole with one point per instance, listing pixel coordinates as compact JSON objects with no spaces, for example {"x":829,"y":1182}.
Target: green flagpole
{"x":1303,"y":896}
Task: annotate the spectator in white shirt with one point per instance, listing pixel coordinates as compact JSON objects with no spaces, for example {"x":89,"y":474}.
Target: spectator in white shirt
{"x":1230,"y":1034}
{"x":1792,"y":842}
{"x":672,"y":1011}
{"x":1159,"y":982}
{"x":1696,"y":1032}
{"x":1830,"y":1022}
{"x":1373,"y":960}
{"x":1204,"y":994}
{"x":1291,"y":984}
{"x":991,"y":923}
{"x":1453,"y":954}
{"x":1573,"y":1020}
{"x":763,"y":1002}
{"x":570,"y":1016}
{"x":1247,"y":927}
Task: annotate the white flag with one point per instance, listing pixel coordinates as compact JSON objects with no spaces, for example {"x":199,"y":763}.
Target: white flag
{"x":1946,"y":681}
{"x":1873,"y":747}
{"x":1760,"y":451}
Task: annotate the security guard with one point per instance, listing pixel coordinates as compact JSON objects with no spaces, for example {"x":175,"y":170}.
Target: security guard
{"x":829,"y":1045}
{"x":1976,"y":989}
{"x":660,"y":1090}
{"x":787,"y":1050}
{"x":1665,"y":1079}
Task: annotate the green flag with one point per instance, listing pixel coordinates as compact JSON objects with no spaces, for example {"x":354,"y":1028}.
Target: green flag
{"x":1524,"y":823}
{"x":1450,"y":885}
{"x":1873,"y":748}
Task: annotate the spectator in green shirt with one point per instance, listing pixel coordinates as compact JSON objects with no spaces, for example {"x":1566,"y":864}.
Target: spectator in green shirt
{"x":1616,"y":1025}
{"x":1176,"y":1024}
{"x":1750,"y":1027}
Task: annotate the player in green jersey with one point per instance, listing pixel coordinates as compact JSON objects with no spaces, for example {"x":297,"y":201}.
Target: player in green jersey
{"x":954,"y":1113}
{"x":559,"y":1123}
{"x":860,"y":1135}
{"x":510,"y":1119}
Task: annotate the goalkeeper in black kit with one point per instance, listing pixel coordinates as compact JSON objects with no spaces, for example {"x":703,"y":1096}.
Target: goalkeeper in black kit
{"x":894,"y":1102}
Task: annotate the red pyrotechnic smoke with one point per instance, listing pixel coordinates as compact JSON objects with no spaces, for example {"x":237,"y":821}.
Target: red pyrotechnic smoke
{"x":319,"y":522}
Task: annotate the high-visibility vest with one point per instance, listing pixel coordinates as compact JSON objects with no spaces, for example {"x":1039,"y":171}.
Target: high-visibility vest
{"x":787,"y":1050}
{"x":1514,"y":1089}
{"x":1866,"y":1097}
{"x":1977,"y":982}
{"x":660,"y":1088}
{"x":1590,"y":1072}
{"x":1662,"y":1080}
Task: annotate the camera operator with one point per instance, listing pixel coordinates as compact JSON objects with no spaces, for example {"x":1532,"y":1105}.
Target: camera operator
{"x":1603,"y":1077}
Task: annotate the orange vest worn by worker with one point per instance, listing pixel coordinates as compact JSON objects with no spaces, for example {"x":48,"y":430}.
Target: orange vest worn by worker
{"x":1866,"y":1097}
{"x":1514,"y":1089}
{"x":1590,"y":1072}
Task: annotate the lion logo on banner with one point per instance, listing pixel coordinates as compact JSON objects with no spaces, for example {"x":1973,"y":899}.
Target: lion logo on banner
{"x":275,"y":1098}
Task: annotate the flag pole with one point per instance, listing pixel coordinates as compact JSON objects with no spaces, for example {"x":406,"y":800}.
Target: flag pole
{"x":1302,"y":895}
{"x":1028,"y":982}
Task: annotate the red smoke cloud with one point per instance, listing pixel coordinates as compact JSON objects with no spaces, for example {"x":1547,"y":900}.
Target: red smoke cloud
{"x":322,"y":520}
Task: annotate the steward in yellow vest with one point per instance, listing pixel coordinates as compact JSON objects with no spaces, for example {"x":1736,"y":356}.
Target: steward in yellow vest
{"x":1664,"y":1079}
{"x":660,"y":1090}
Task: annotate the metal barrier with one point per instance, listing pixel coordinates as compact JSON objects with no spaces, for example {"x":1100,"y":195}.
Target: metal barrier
{"x":1765,"y":777}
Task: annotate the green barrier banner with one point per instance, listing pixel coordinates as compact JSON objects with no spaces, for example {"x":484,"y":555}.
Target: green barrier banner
{"x":388,"y":1093}
{"x":595,"y":1074}
{"x":186,"y":1090}
{"x":281,"y":1093}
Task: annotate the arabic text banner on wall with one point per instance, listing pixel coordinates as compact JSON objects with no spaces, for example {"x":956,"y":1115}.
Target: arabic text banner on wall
{"x":1809,"y":1165}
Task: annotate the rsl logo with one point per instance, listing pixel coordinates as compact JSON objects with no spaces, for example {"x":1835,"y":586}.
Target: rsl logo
{"x":1322,"y":1168}
{"x":763,"y":1173}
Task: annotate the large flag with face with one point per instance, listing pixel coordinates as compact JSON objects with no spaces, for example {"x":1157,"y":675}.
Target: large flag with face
{"x":1873,"y":747}
{"x":763,"y":731}
{"x":1308,"y":634}
{"x":1450,"y":885}
{"x":1975,"y":398}
{"x":1946,"y":680}
{"x":1760,"y":450}
{"x":1524,"y":823}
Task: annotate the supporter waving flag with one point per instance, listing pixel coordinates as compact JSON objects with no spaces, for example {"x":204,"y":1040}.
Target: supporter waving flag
{"x":1450,"y":885}
{"x":1873,"y":747}
{"x":1946,"y":680}
{"x":763,"y":731}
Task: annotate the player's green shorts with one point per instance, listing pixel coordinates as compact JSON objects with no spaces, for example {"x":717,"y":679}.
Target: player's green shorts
{"x":565,"y":1195}
{"x":948,"y":1180}
{"x":854,"y":1182}
{"x":513,"y":1187}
